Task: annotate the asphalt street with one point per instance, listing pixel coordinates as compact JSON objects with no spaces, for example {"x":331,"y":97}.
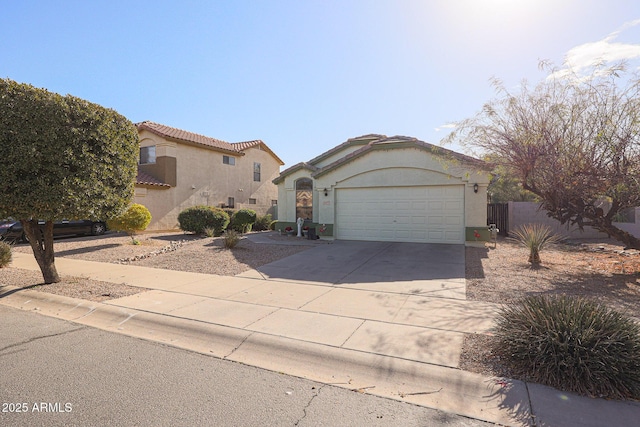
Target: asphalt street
{"x":56,"y":373}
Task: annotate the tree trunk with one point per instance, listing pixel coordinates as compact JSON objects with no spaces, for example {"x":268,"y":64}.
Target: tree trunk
{"x":534,"y":256}
{"x":42,"y":246}
{"x":630,"y":241}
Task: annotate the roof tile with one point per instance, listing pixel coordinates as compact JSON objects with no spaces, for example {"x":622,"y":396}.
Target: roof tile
{"x":183,"y":135}
{"x":144,"y":178}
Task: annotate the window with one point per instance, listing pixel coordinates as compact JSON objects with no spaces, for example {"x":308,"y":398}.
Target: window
{"x":228,"y":160}
{"x":256,"y":172}
{"x":252,"y":201}
{"x":274,"y":202}
{"x":304,"y":198}
{"x":148,"y":155}
{"x":231,"y":203}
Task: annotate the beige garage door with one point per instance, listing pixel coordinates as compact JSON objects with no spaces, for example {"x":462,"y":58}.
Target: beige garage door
{"x":431,"y":214}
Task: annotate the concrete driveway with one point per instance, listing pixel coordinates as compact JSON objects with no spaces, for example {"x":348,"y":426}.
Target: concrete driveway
{"x":414,"y":268}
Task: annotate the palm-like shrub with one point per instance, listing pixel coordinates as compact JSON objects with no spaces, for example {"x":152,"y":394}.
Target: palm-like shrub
{"x":5,"y":254}
{"x":197,"y":219}
{"x":571,"y":343}
{"x":534,"y":237}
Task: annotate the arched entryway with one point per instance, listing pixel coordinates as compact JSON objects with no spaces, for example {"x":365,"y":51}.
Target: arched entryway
{"x":304,"y":198}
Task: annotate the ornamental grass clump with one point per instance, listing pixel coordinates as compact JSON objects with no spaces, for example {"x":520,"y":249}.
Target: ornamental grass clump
{"x":534,"y":237}
{"x":231,"y":239}
{"x":571,"y":343}
{"x":5,"y":254}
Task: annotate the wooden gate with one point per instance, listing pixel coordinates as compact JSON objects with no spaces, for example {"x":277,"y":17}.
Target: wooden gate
{"x":498,"y":214}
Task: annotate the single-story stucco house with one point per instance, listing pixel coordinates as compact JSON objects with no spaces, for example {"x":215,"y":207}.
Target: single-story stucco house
{"x":179,"y":169}
{"x":381,"y":188}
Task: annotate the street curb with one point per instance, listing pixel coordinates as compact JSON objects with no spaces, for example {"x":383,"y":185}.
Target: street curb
{"x":443,"y":388}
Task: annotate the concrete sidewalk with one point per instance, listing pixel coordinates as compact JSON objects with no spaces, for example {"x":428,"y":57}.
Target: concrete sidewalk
{"x":400,"y":340}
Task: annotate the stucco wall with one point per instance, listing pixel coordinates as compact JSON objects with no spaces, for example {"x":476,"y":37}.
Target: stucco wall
{"x":386,"y":168}
{"x":529,"y":212}
{"x":203,"y":179}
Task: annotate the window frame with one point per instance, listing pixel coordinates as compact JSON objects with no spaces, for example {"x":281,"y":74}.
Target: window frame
{"x":256,"y":171}
{"x":150,"y":155}
{"x":228,"y":160}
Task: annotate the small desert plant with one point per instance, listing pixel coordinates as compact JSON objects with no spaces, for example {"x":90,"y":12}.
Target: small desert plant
{"x":5,"y":254}
{"x":571,"y":343}
{"x":197,"y":218}
{"x":231,"y":239}
{"x":136,"y":218}
{"x":209,"y":231}
{"x":262,"y":223}
{"x":534,"y":237}
{"x":243,"y":220}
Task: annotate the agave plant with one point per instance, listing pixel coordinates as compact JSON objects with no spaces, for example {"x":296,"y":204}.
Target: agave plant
{"x":534,"y":237}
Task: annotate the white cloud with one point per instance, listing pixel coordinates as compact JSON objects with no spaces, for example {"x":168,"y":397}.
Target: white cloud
{"x":607,"y":51}
{"x":446,"y":126}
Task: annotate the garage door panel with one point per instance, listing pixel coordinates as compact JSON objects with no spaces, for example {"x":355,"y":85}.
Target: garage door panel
{"x":418,"y":220}
{"x":415,"y":214}
{"x":452,"y":205}
{"x":403,"y":220}
{"x":452,"y":220}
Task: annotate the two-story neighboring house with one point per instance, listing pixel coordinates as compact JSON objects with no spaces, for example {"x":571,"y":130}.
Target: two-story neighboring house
{"x":180,"y":169}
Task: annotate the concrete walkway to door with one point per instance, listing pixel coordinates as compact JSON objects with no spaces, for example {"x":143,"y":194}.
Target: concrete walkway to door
{"x":381,"y":318}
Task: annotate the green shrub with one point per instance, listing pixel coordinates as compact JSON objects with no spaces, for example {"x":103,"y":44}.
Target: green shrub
{"x":231,"y":239}
{"x":5,"y":254}
{"x":243,"y":220}
{"x":534,"y":237}
{"x":136,"y":218}
{"x":571,"y":343}
{"x":231,"y":213}
{"x":262,"y":223}
{"x":197,"y":218}
{"x":272,"y":225}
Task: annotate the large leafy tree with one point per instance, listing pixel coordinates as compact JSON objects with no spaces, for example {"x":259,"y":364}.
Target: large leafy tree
{"x":504,"y":186}
{"x":61,"y":157}
{"x":571,"y":140}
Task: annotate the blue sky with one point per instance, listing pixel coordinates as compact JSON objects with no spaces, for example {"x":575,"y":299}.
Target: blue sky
{"x":303,"y":75}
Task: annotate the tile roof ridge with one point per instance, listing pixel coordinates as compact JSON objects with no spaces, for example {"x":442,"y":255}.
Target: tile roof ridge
{"x":185,"y":135}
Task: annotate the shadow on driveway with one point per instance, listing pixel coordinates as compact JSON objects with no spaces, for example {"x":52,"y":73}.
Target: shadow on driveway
{"x":347,"y":262}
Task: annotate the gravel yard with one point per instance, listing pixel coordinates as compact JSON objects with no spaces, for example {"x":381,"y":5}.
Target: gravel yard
{"x":599,"y":270}
{"x":172,"y":251}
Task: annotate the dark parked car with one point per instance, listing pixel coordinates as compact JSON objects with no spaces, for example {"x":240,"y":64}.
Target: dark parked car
{"x":11,"y":229}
